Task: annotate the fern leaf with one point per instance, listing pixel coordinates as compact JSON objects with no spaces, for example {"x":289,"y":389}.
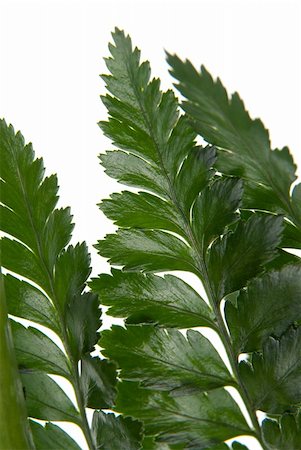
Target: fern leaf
{"x":186,"y":217}
{"x":243,"y":143}
{"x":50,"y":293}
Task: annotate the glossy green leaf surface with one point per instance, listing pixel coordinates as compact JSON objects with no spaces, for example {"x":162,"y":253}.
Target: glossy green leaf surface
{"x":98,"y":378}
{"x":239,"y":256}
{"x":167,"y":301}
{"x":142,"y":210}
{"x":165,"y":359}
{"x":197,"y":421}
{"x":269,"y":305}
{"x":273,"y":377}
{"x":28,"y":302}
{"x":51,"y":437}
{"x":37,"y":351}
{"x":146,"y":250}
{"x":215,"y":208}
{"x":194,"y":176}
{"x":19,"y":259}
{"x":83,"y":321}
{"x":134,"y":171}
{"x":112,"y":432}
{"x":46,"y":400}
{"x":71,"y":272}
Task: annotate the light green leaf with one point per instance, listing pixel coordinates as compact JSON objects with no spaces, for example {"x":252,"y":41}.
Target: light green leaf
{"x":167,"y":300}
{"x":51,"y":437}
{"x":98,"y":379}
{"x":46,"y":400}
{"x":165,"y":359}
{"x":267,"y":307}
{"x":198,"y":421}
{"x":146,"y":250}
{"x":34,"y":350}
{"x":239,"y":256}
{"x":273,"y":378}
{"x":111,"y":432}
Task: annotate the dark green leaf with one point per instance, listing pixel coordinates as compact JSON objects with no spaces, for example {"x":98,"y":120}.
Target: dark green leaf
{"x":273,"y":378}
{"x":168,"y":301}
{"x":296,"y":202}
{"x":83,"y":321}
{"x":146,"y":250}
{"x":33,"y":198}
{"x":215,"y":208}
{"x":142,"y":210}
{"x":269,"y":305}
{"x":98,"y":380}
{"x":46,"y":400}
{"x":194,"y":175}
{"x":71,"y":272}
{"x":57,"y":233}
{"x":291,"y":236}
{"x":161,"y":154}
{"x":165,"y":359}
{"x":238,"y":446}
{"x":134,"y":171}
{"x":30,"y":199}
{"x":285,"y":435}
{"x":111,"y":432}
{"x":239,"y":256}
{"x":224,"y":122}
{"x":28,"y":302}
{"x":51,"y":437}
{"x":281,"y":259}
{"x":34,"y":350}
{"x":197,"y":421}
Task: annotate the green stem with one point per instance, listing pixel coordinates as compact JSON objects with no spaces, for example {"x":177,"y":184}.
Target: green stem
{"x":14,"y":426}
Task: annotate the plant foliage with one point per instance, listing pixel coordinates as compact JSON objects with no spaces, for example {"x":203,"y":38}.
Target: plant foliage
{"x":224,"y":213}
{"x":46,"y":283}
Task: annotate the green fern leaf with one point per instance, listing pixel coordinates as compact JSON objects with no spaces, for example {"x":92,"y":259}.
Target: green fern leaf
{"x":243,"y":143}
{"x":51,"y":294}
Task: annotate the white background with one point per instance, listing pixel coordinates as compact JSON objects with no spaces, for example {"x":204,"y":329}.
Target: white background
{"x":51,"y":55}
